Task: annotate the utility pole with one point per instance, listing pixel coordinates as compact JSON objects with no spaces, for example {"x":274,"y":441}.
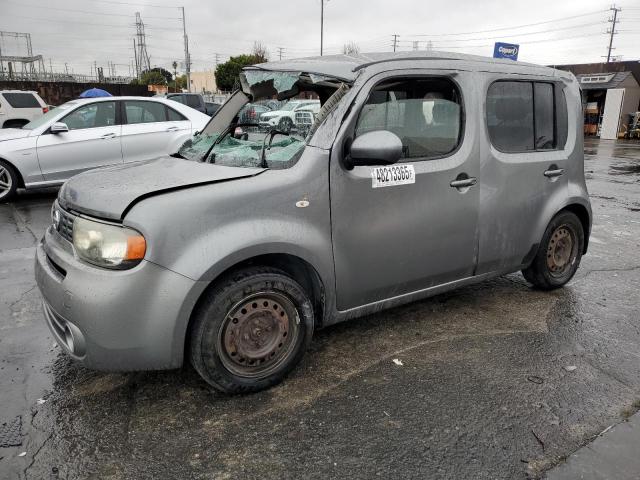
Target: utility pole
{"x":135,"y":56}
{"x":66,"y":68}
{"x":395,"y":42}
{"x":321,"y":25}
{"x":217,"y":55}
{"x":187,"y":59}
{"x":612,"y":30}
{"x":415,"y":45}
{"x":280,"y":52}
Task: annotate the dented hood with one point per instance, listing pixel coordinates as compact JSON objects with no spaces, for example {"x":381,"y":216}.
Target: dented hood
{"x":110,"y":192}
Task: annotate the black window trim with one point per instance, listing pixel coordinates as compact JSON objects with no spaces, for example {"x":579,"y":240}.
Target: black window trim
{"x":557,"y":89}
{"x":430,"y":76}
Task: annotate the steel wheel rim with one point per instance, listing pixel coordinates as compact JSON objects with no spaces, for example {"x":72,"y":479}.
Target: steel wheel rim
{"x":561,"y":251}
{"x":6,"y":182}
{"x":258,"y":334}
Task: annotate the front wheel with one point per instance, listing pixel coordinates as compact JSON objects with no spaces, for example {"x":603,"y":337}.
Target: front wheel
{"x":285,"y":125}
{"x":559,"y":253}
{"x":8,"y":181}
{"x":251,"y":330}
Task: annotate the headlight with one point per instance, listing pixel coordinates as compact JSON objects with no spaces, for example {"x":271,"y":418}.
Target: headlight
{"x":107,"y":245}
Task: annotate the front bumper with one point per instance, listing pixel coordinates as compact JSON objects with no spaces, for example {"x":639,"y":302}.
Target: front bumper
{"x":113,"y":320}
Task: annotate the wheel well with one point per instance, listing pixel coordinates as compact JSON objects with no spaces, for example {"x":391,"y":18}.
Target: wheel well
{"x":300,"y":270}
{"x":15,"y":121}
{"x":20,"y":179}
{"x":583,"y":215}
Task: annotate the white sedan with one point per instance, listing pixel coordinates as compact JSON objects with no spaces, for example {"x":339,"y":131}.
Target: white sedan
{"x":89,"y":133}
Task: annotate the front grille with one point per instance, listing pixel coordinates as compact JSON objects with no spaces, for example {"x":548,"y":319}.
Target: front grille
{"x":65,"y":225}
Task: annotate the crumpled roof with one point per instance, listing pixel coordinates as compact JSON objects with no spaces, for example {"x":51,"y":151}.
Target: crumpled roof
{"x":346,"y":67}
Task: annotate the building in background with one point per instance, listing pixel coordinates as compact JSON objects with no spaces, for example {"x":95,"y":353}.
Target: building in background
{"x":203,"y":82}
{"x":610,"y":96}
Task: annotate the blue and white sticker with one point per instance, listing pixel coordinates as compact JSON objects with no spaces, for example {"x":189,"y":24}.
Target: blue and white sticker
{"x":392,"y":176}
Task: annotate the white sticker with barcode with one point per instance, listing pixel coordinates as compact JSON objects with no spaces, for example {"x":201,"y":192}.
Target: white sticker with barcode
{"x":392,"y":176}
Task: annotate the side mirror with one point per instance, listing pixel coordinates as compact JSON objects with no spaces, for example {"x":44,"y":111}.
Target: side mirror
{"x":59,"y":127}
{"x":379,"y":147}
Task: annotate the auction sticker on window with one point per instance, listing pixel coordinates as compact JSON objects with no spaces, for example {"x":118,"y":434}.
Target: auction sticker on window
{"x":392,"y":176}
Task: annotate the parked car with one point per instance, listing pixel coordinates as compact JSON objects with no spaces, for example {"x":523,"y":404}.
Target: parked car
{"x":284,"y":119}
{"x":193,"y":100}
{"x":17,"y":108}
{"x":212,"y":107}
{"x":250,"y":114}
{"x":231,"y":256}
{"x":304,"y":120}
{"x":88,"y":133}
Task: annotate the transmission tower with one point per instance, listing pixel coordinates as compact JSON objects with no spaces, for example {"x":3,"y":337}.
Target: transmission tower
{"x":140,"y":44}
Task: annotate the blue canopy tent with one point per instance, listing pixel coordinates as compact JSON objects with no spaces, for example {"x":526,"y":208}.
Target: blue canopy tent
{"x":95,"y":92}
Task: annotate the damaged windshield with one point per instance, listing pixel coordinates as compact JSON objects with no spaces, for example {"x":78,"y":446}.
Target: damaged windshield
{"x":254,"y":128}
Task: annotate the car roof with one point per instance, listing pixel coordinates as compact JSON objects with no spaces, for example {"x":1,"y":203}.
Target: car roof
{"x":18,"y":91}
{"x":348,"y":67}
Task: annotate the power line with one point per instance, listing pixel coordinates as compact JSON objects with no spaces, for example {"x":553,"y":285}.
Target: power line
{"x":509,"y":28}
{"x":520,"y":34}
{"x":85,"y":12}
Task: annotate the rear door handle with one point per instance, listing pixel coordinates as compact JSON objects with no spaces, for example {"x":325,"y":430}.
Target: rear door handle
{"x":108,"y":135}
{"x":171,"y":129}
{"x":554,"y":173}
{"x":463,"y":182}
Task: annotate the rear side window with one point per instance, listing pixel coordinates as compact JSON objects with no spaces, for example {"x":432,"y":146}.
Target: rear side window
{"x":193,"y":101}
{"x":144,"y":112}
{"x":526,"y":116}
{"x":177,"y":98}
{"x":175,"y":116}
{"x":425,"y":113}
{"x":21,"y":100}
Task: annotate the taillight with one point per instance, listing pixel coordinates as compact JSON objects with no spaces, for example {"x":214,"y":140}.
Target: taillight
{"x":45,"y":109}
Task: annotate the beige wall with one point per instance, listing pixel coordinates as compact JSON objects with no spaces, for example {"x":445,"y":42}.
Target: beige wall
{"x":203,"y":82}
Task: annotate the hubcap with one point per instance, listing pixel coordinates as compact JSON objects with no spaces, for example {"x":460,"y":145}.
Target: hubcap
{"x":258,"y":334}
{"x":5,"y":181}
{"x":560,"y":252}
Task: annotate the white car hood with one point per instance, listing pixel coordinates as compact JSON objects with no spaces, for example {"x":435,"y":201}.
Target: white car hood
{"x":13,"y":133}
{"x":275,"y":113}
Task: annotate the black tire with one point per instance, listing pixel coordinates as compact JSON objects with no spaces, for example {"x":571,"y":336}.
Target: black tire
{"x":9,"y":180}
{"x":559,"y":253}
{"x":285,"y":125}
{"x":226,"y":336}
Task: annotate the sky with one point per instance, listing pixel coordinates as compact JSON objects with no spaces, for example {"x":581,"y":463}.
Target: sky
{"x":81,"y":32}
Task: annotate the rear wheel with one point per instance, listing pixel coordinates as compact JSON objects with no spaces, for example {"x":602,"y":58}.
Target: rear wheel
{"x":251,"y":330}
{"x":8,"y":181}
{"x":559,"y":253}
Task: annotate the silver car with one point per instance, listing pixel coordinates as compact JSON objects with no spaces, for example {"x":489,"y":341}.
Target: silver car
{"x":423,"y":172}
{"x":88,"y":133}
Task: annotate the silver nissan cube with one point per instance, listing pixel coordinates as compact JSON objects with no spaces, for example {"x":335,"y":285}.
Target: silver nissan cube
{"x":422,"y":172}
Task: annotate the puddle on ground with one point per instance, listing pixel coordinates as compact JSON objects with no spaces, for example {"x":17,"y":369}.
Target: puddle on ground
{"x":624,"y":169}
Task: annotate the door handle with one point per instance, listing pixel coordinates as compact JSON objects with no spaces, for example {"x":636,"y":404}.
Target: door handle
{"x":171,"y":129}
{"x":108,"y":135}
{"x":551,"y":173}
{"x":463,"y":182}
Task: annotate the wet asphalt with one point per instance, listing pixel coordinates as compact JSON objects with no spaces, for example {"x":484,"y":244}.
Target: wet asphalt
{"x":486,"y":389}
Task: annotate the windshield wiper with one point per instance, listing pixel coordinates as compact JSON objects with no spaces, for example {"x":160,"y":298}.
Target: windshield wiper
{"x":263,"y":150}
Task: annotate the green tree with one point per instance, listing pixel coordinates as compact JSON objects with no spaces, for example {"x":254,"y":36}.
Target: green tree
{"x":152,"y":77}
{"x":228,"y":73}
{"x":178,"y":84}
